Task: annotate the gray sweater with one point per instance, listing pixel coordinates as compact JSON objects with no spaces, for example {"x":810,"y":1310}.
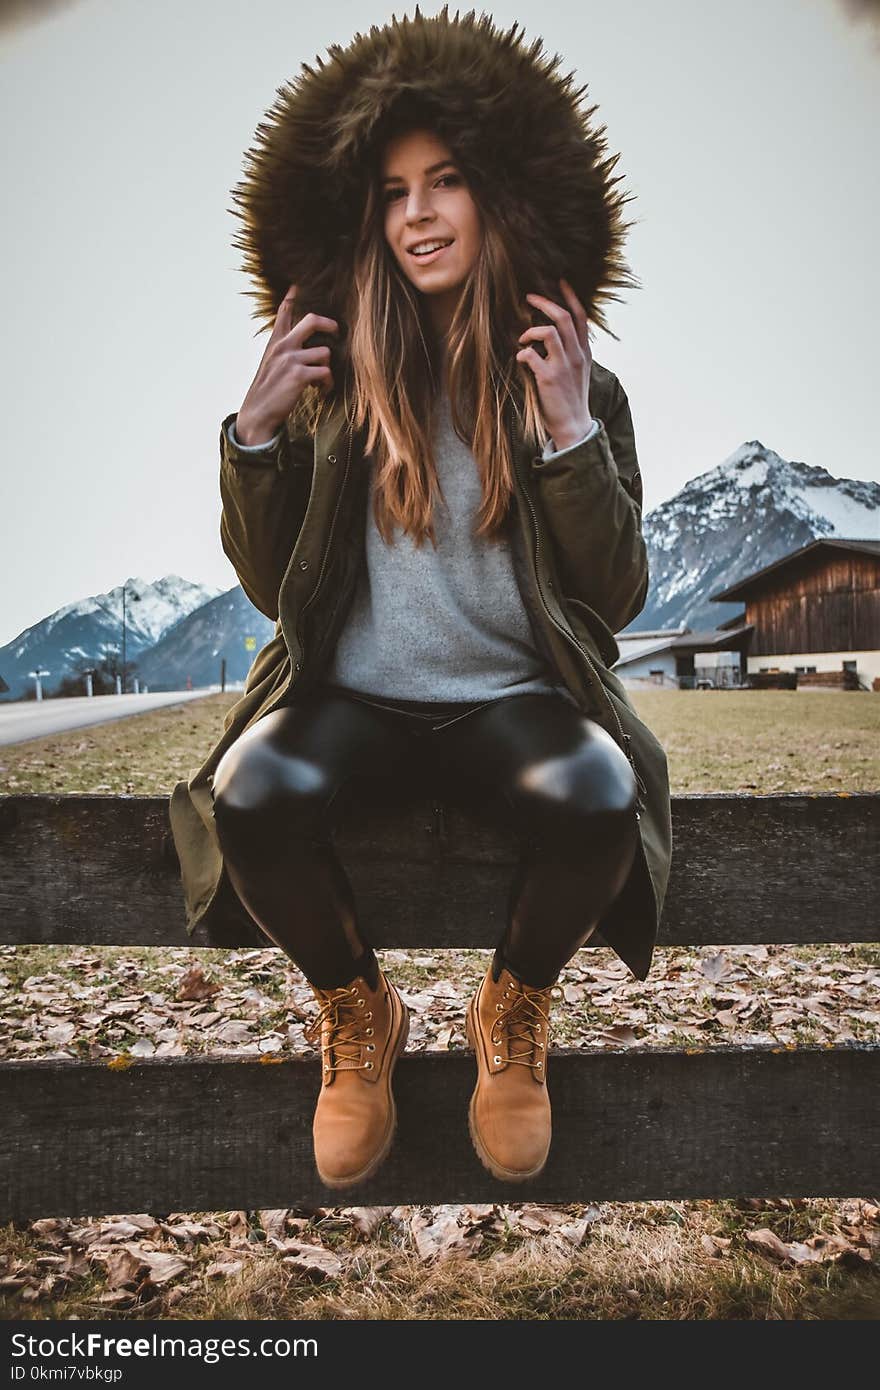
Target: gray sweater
{"x":440,"y":625}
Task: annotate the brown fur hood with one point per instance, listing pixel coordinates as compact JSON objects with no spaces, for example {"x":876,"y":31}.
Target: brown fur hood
{"x":519,"y":130}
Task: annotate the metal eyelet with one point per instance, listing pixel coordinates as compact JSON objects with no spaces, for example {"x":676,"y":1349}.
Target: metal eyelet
{"x":537,"y":1027}
{"x":369,"y":1014}
{"x":498,"y":1008}
{"x":331,"y":458}
{"x":361,"y":1003}
{"x":353,"y":990}
{"x":371,"y":1047}
{"x":497,"y":1061}
{"x":541,"y":1045}
{"x":368,"y":1066}
{"x":369,"y":1032}
{"x":539,"y":1064}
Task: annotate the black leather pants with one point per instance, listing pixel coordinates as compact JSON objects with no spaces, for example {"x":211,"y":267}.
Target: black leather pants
{"x":533,"y":762}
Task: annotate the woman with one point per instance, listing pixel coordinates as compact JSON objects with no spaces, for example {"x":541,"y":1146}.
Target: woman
{"x":445,"y":598}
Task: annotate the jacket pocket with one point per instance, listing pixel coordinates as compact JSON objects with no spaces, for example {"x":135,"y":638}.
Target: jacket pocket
{"x":596,"y":632}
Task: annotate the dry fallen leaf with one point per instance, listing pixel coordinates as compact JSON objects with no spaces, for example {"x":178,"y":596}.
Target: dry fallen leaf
{"x":194,"y":985}
{"x":619,"y":1033}
{"x":768,"y":1243}
{"x":189,"y":1232}
{"x":221,"y":1269}
{"x":438,"y":1235}
{"x":273,"y":1221}
{"x":715,"y":1245}
{"x":124,"y":1268}
{"x":715,"y":967}
{"x":366,"y":1220}
{"x":312,"y":1260}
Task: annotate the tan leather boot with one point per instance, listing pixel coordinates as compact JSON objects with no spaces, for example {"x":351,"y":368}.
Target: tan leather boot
{"x":362,"y":1033}
{"x":509,"y":1114}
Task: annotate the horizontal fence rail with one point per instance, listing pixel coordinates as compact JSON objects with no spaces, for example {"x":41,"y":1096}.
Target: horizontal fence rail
{"x":646,"y":1124}
{"x":641,"y":1123}
{"x":791,"y":868}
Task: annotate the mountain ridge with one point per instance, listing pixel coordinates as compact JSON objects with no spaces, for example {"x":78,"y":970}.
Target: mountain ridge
{"x":735,"y":518}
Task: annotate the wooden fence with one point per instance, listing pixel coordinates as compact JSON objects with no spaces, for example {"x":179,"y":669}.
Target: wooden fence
{"x":635,"y":1123}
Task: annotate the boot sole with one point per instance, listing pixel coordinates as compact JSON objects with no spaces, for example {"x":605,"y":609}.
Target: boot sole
{"x":489,"y":1163}
{"x":370,"y":1168}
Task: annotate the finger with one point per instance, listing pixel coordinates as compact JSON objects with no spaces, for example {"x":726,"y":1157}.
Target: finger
{"x":284,"y":316}
{"x":549,"y":336}
{"x":532,"y":359}
{"x":561,"y":317}
{"x":546,"y":332}
{"x":309,"y":324}
{"x":579,"y":313}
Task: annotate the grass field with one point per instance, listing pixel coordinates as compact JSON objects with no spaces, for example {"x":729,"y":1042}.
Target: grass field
{"x":796,"y":1258}
{"x":716,"y":740}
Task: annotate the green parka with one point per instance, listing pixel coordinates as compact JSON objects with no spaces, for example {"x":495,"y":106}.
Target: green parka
{"x":293,"y":524}
{"x":293,"y":520}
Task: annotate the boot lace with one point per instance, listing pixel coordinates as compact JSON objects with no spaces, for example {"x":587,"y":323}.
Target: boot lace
{"x":525,"y":1019}
{"x":345,"y":1010}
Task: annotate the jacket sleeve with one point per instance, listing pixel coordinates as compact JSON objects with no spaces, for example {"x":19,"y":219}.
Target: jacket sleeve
{"x":591,"y":498}
{"x":265,"y":493}
{"x":551,"y":451}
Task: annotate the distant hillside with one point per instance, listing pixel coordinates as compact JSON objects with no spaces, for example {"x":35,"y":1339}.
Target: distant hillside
{"x":749,"y":511}
{"x":194,"y":647}
{"x":82,"y":633}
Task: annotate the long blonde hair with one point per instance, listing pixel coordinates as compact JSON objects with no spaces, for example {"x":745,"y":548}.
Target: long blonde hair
{"x":392,"y":377}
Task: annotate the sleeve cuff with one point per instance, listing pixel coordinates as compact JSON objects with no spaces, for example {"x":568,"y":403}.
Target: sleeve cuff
{"x":252,"y":448}
{"x":550,"y":452}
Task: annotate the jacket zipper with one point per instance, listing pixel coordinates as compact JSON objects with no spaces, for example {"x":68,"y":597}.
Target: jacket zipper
{"x":625,"y":738}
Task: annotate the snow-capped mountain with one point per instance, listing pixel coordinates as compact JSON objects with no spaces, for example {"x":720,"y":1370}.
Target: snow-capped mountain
{"x":749,"y":511}
{"x":194,"y":648}
{"x":150,"y":609}
{"x":80,"y":634}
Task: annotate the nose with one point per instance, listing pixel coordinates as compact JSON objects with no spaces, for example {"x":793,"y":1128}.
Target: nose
{"x":418,"y":207}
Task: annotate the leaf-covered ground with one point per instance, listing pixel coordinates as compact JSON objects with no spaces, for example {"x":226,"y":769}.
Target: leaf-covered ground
{"x":796,"y":1258}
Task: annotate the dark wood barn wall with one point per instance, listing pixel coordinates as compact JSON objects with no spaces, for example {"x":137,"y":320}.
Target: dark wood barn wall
{"x":829,"y":606}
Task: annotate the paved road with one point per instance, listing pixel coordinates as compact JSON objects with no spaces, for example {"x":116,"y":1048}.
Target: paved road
{"x":21,"y":720}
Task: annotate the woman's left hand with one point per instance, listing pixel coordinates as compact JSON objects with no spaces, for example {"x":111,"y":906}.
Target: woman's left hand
{"x":563,"y":376}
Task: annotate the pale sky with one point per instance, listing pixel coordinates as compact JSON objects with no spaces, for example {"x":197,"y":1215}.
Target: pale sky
{"x":746,"y":132}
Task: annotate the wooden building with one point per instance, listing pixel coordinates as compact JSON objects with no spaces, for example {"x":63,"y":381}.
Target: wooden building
{"x":815,"y":612}
{"x":682,"y":659}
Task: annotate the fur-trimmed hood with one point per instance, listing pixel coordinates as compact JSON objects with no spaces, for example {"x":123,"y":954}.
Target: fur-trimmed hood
{"x":518,"y":129}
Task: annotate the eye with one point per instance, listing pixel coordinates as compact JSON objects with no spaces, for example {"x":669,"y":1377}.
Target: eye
{"x":391,"y":194}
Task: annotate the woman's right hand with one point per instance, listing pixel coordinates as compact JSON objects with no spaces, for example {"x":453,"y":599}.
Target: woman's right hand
{"x":286,"y":370}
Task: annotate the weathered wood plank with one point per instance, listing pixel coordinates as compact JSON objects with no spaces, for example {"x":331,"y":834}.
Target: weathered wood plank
{"x":101,"y":870}
{"x":645,"y":1124}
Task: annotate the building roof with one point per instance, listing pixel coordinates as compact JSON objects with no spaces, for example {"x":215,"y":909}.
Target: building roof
{"x":640,"y":644}
{"x":735,"y":621}
{"x":750,"y":582}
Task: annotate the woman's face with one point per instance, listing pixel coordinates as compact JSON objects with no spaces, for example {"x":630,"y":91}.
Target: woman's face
{"x":426,"y":199}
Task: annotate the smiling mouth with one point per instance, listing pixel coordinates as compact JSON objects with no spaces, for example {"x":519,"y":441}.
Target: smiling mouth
{"x":426,"y":257}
